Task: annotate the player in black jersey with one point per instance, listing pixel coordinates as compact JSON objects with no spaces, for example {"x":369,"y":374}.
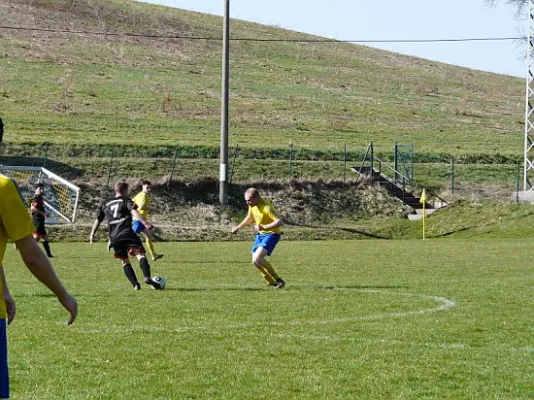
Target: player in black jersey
{"x":123,"y":239}
{"x":38,"y":217}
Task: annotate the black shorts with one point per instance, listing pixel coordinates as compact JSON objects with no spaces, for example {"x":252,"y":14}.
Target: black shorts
{"x":127,"y":246}
{"x":40,"y":229}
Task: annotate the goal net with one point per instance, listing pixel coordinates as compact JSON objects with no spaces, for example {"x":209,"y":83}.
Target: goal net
{"x":61,"y":197}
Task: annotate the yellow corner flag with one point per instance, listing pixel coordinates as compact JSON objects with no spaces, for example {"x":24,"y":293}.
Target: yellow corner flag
{"x":422,"y":200}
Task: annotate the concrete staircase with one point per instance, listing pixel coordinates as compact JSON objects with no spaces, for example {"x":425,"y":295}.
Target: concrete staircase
{"x":397,"y":190}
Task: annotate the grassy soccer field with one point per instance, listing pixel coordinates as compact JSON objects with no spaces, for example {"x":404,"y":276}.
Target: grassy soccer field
{"x":358,"y":319}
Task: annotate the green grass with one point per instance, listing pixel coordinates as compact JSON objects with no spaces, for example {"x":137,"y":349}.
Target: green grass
{"x":358,"y":319}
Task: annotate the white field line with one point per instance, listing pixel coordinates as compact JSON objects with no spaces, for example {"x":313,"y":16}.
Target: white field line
{"x":338,"y":338}
{"x":445,"y":305}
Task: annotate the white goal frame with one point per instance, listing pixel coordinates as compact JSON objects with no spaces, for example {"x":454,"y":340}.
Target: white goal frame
{"x":45,"y":175}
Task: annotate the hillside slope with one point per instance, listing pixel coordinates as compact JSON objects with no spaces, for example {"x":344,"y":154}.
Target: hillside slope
{"x":312,"y":210}
{"x":95,"y":88}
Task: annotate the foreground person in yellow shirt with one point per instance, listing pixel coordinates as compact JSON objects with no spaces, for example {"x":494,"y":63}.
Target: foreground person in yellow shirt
{"x":262,"y":212}
{"x":16,"y":225}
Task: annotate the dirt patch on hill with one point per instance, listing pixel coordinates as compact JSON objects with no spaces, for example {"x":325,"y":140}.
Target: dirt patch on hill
{"x":191,"y":210}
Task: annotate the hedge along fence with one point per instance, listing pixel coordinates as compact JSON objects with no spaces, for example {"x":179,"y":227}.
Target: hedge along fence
{"x":61,"y":151}
{"x":107,"y":163}
{"x":100,"y":161}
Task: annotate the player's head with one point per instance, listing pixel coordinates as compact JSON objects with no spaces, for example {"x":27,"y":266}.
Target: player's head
{"x":121,"y":188}
{"x":39,"y":188}
{"x":2,"y":146}
{"x":147,"y":186}
{"x":252,"y":196}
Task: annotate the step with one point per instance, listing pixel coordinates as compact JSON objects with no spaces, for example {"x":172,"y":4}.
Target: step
{"x":419,"y":214}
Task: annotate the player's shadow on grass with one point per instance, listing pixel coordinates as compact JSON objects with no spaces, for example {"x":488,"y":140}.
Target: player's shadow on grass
{"x":228,"y":289}
{"x":350,"y":230}
{"x":291,"y":288}
{"x":453,"y":232}
{"x":98,"y":256}
{"x":360,"y":287}
{"x":219,"y":262}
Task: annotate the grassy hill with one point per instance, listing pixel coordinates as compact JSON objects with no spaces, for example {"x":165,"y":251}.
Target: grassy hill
{"x":88,"y":88}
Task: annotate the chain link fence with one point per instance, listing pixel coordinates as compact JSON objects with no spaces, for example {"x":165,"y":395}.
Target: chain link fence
{"x":108,"y":163}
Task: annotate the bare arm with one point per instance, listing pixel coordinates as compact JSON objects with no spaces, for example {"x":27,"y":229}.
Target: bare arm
{"x":10,"y":303}
{"x":275,"y":224}
{"x":140,"y":218}
{"x":246,"y":222}
{"x":38,"y":264}
{"x":144,"y":208}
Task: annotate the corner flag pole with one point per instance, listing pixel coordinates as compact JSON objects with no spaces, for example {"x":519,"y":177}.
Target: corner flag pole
{"x":422,"y":200}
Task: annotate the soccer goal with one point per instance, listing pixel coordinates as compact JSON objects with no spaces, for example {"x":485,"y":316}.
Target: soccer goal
{"x":61,"y":196}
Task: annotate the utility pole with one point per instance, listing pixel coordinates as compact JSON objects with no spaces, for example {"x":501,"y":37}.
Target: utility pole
{"x":223,"y":170}
{"x":528,"y":173}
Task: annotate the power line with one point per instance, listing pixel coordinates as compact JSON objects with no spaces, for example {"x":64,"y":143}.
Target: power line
{"x":210,"y":38}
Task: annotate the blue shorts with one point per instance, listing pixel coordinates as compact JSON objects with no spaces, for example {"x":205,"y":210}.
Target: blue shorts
{"x":266,"y":240}
{"x":138,"y":227}
{"x":4,"y":373}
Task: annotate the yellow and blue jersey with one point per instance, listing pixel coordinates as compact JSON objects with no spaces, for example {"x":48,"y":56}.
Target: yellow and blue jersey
{"x":264,"y":213}
{"x":15,"y":223}
{"x":142,"y":200}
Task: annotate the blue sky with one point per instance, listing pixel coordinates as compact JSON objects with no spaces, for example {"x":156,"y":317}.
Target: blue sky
{"x":393,"y":19}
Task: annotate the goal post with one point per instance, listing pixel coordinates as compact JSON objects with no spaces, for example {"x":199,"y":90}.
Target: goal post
{"x":61,"y":196}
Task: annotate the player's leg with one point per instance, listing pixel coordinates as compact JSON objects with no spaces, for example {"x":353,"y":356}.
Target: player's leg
{"x":46,"y":245}
{"x":4,"y":372}
{"x":264,"y":248}
{"x":121,"y":253}
{"x":145,"y":267}
{"x":130,"y":274}
{"x":150,"y":245}
{"x":264,"y":273}
{"x":135,"y":248}
{"x":265,"y":268}
{"x":40,"y":234}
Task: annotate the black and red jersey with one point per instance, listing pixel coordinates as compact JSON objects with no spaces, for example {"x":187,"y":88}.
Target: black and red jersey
{"x":38,"y":203}
{"x":118,"y":212}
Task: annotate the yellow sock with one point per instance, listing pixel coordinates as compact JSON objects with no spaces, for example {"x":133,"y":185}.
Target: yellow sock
{"x":266,"y":276}
{"x":150,"y":246}
{"x":270,"y":270}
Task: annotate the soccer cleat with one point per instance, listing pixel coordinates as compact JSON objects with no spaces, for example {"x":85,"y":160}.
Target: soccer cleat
{"x":137,"y":286}
{"x":155,"y":285}
{"x":157,"y":257}
{"x":280,"y":284}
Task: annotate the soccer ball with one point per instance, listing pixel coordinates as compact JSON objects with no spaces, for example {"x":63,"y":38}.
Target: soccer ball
{"x":161,"y":280}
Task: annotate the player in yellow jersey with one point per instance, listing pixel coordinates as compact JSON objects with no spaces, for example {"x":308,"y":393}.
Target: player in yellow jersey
{"x":142,"y":200}
{"x":16,"y":225}
{"x":267,"y":225}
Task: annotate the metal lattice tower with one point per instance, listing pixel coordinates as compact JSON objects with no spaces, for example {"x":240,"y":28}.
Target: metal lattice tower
{"x":528,"y":173}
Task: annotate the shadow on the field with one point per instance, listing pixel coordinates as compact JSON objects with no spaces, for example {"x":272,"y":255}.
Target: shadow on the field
{"x":359,"y":287}
{"x":209,"y":262}
{"x":455,"y":231}
{"x":301,"y":288}
{"x":339,"y":228}
{"x":229,"y":289}
{"x":83,"y":257}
